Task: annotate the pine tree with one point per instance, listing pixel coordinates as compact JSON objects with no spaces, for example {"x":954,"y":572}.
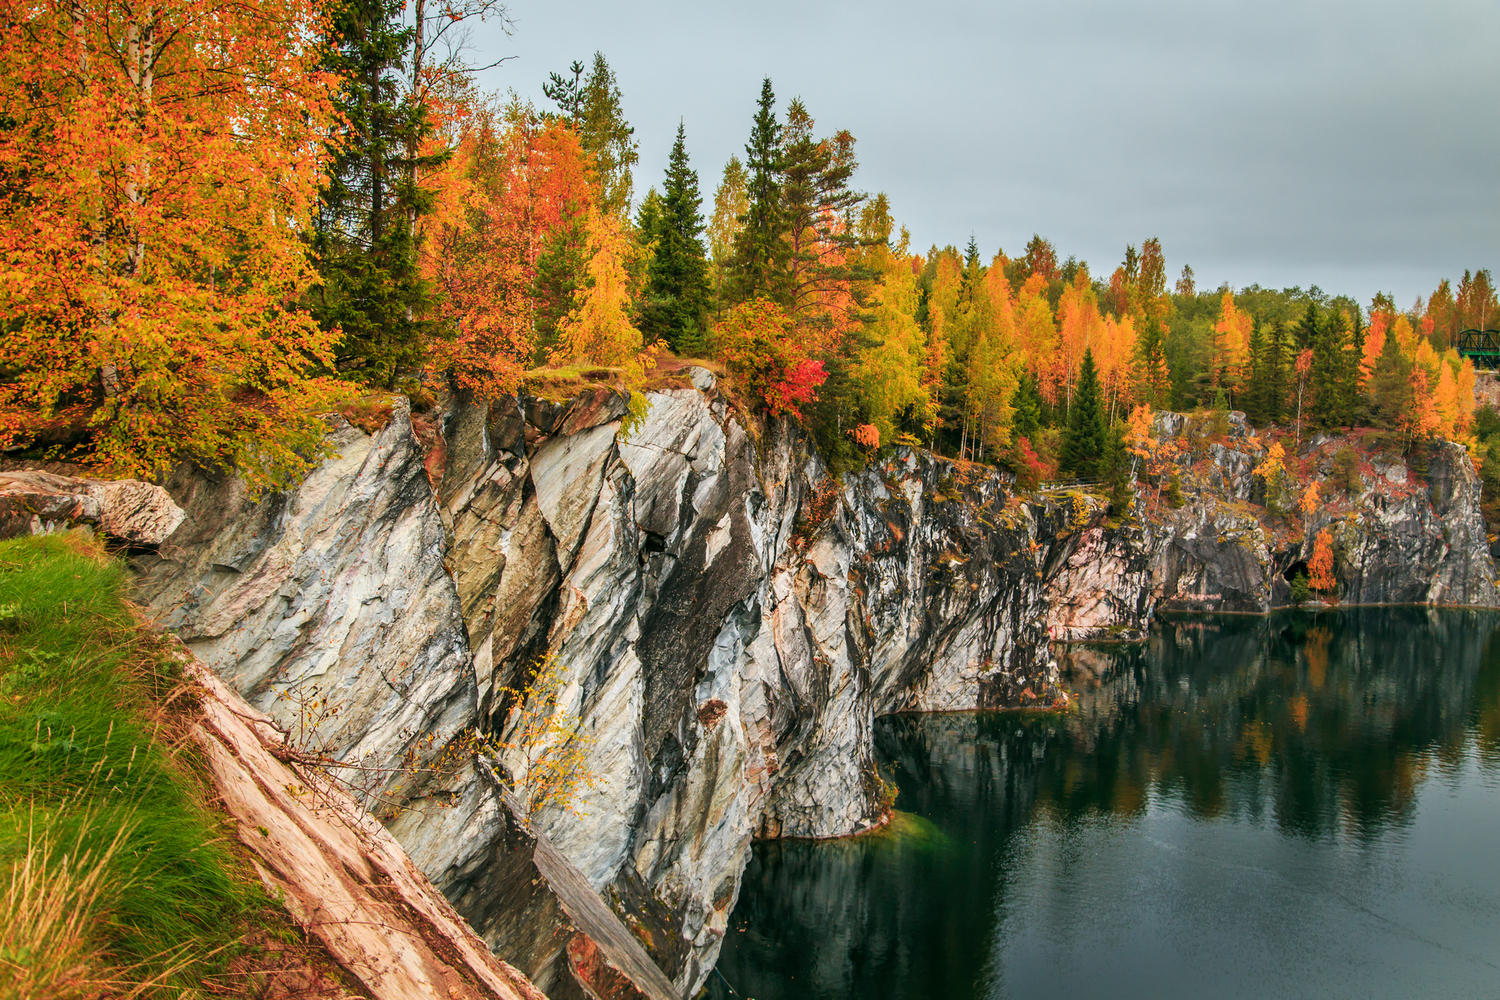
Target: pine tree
{"x":1086,"y":437}
{"x":677,"y":278}
{"x":759,"y":251}
{"x":566,"y":94}
{"x":370,"y":286}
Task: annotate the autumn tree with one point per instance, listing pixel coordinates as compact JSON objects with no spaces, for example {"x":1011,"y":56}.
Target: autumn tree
{"x":1041,"y":257}
{"x":757,"y":347}
{"x":731,"y":201}
{"x":598,"y":328}
{"x":1231,"y":343}
{"x":1475,"y":303}
{"x":158,"y":165}
{"x":1320,"y":566}
{"x":890,"y":366}
{"x":1150,"y":307}
{"x":507,"y":242}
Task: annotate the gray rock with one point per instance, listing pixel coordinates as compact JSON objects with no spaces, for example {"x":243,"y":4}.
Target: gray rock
{"x":728,"y":620}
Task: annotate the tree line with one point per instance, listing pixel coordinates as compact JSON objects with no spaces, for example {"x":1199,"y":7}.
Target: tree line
{"x":218,"y":220}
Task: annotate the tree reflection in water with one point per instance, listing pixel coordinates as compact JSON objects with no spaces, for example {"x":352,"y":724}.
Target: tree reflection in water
{"x":1323,"y":728}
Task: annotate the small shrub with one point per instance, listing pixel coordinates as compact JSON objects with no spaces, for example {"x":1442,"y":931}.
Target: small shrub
{"x":1174,"y":491}
{"x":369,"y":413}
{"x":1346,"y":471}
{"x":1301,"y":592}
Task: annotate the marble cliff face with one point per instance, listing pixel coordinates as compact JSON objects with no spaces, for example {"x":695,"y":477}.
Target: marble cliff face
{"x":729,"y":621}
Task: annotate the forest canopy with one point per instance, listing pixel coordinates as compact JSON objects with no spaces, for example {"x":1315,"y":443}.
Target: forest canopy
{"x":218,"y":222}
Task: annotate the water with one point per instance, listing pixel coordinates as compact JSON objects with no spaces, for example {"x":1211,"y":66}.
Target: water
{"x":1299,"y":806}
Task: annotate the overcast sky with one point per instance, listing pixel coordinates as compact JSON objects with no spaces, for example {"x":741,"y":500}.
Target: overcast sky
{"x":1351,"y":145}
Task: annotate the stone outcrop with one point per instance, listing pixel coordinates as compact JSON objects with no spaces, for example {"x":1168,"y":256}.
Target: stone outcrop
{"x":728,"y":621}
{"x":34,"y":502}
{"x":1398,"y":537}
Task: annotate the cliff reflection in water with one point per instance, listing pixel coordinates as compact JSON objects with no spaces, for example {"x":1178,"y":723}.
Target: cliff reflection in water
{"x":1238,"y":782}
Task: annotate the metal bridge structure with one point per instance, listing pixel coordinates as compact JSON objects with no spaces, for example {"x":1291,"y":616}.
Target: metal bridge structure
{"x":1480,"y":346}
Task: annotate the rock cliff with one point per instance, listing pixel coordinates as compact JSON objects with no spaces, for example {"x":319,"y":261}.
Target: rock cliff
{"x":729,"y":621}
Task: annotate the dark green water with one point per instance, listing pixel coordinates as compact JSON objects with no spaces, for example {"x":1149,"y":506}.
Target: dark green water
{"x":1288,"y":807}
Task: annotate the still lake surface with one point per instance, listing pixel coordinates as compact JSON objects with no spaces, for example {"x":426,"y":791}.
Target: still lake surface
{"x":1301,"y":806}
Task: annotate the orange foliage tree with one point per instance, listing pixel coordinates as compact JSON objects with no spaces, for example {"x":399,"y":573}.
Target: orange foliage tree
{"x":161,"y":165}
{"x":1231,"y":343}
{"x":513,"y":183}
{"x":1320,"y":566}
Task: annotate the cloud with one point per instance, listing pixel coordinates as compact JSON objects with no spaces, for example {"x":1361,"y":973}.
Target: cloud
{"x":1349,"y":145}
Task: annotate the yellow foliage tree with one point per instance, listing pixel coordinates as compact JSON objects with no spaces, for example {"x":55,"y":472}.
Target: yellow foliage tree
{"x":890,"y":370}
{"x":598,"y":329}
{"x":1231,"y":342}
{"x":1310,"y":499}
{"x":1138,"y":433}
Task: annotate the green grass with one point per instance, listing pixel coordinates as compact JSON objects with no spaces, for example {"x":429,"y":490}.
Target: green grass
{"x":90,"y":713}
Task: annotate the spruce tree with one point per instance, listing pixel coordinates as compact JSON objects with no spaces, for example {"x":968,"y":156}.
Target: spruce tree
{"x":1354,"y":411}
{"x":1253,"y":396}
{"x":1086,"y":437}
{"x":1330,"y":365}
{"x":369,"y":284}
{"x":759,"y":250}
{"x":1281,"y":351}
{"x":677,"y":288}
{"x":1389,"y":388}
{"x":1028,"y":406}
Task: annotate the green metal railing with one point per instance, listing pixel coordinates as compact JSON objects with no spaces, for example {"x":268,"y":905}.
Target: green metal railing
{"x":1482,"y":346}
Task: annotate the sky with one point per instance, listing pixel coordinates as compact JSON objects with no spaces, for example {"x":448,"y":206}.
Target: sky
{"x":1349,"y":144}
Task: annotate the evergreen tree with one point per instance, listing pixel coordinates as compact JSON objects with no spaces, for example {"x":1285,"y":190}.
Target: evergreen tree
{"x":1253,"y":395}
{"x":363,"y":235}
{"x":818,"y":213}
{"x":1028,"y":405}
{"x":1281,"y":347}
{"x":1328,"y":380}
{"x":759,"y":250}
{"x":1353,"y":402}
{"x":677,"y":278}
{"x":607,"y":136}
{"x":1086,"y":438}
{"x":1115,"y":470}
{"x":1389,"y":391}
{"x":567,"y":94}
{"x":559,"y":272}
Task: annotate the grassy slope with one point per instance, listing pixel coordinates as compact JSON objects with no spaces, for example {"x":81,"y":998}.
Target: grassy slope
{"x":111,"y":866}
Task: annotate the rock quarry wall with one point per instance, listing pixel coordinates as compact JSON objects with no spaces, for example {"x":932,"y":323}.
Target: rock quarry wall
{"x":729,"y":621}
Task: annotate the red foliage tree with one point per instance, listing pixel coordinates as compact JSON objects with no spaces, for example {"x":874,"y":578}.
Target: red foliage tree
{"x":756,"y":344}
